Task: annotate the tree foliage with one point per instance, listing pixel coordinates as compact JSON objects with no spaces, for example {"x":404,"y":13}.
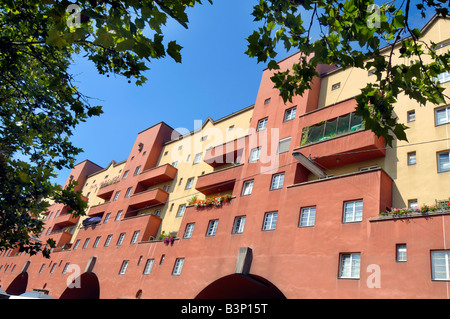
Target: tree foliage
{"x":352,"y":34}
{"x":40,"y":105}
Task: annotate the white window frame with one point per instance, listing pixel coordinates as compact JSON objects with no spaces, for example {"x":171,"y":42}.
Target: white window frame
{"x":178,"y":266}
{"x":262,"y":124}
{"x":189,"y":183}
{"x":238,"y":225}
{"x":123,"y":267}
{"x":441,"y":259}
{"x":439,"y":162}
{"x":86,"y":243}
{"x":97,"y":240}
{"x":270,"y":221}
{"x":412,"y":158}
{"x":125,"y":174}
{"x":247,"y":188}
{"x":444,"y":77}
{"x":189,"y":230}
{"x":197,"y":158}
{"x":289,"y":114}
{"x":401,"y":253}
{"x":277,"y":181}
{"x":254,"y":154}
{"x":181,"y":210}
{"x":411,"y":116}
{"x":148,"y":266}
{"x":108,"y":240}
{"x":349,"y":265}
{"x":135,"y":237}
{"x":128,"y":192}
{"x":351,"y":214}
{"x":212,"y":227}
{"x":307,"y":217}
{"x":108,"y":215}
{"x":120,"y":240}
{"x":116,"y":196}
{"x":137,"y":170}
{"x":77,"y":243}
{"x":119,"y":214}
{"x":446,"y":118}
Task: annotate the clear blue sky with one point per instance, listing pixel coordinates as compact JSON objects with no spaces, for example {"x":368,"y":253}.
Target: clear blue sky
{"x":214,"y":79}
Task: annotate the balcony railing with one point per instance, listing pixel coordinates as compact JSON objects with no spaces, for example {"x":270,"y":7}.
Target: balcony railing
{"x":218,"y":181}
{"x":148,"y":198}
{"x":157,"y":175}
{"x":226,"y":153}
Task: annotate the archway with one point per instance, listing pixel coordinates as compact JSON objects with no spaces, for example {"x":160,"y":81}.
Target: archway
{"x":241,"y":287}
{"x":19,"y":285}
{"x":89,"y":288}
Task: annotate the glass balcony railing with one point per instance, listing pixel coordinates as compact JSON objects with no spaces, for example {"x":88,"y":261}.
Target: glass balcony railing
{"x":331,"y":128}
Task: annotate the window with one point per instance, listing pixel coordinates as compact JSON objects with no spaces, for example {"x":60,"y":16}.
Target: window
{"x":238,"y":226}
{"x":254,"y":154}
{"x":440,"y":265}
{"x":412,"y":158}
{"x":400,"y":252}
{"x":97,"y":240}
{"x":353,"y":211}
{"x":444,"y":77}
{"x":116,"y":196}
{"x":108,"y":240}
{"x":262,"y":124}
{"x":444,"y":162}
{"x":53,"y":268}
{"x":123,"y":268}
{"x":86,"y":243}
{"x":336,"y":86}
{"x":57,"y":213}
{"x":284,"y":145}
{"x":188,"y":158}
{"x":77,"y":243}
{"x":138,"y":169}
{"x":107,"y":218}
{"x":125,"y":175}
{"x":121,"y":238}
{"x":290,"y":114}
{"x":270,"y":221}
{"x":411,"y":115}
{"x":212,"y":227}
{"x":181,"y":210}
{"x":40,"y":270}
{"x":128,"y":192}
{"x":442,"y":115}
{"x":412,"y":203}
{"x":203,"y":138}
{"x":178,"y":266}
{"x":118,"y":215}
{"x":247,"y":188}
{"x":231,"y":127}
{"x":157,"y":212}
{"x":135,"y":237}
{"x":148,"y":266}
{"x":277,"y":181}
{"x":197,"y":158}
{"x":189,"y":230}
{"x":66,"y":266}
{"x":266,"y":101}
{"x":175,"y":164}
{"x":349,"y":265}
{"x":189,"y":183}
{"x":307,"y":216}
{"x":371,"y":72}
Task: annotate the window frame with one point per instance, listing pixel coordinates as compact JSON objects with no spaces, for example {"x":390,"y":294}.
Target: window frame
{"x":256,"y":150}
{"x":271,"y":224}
{"x":189,"y":230}
{"x":197,"y":158}
{"x":183,"y":207}
{"x":354,"y":212}
{"x":178,"y":266}
{"x":401,"y":253}
{"x":446,"y":264}
{"x":354,"y":273}
{"x":280,"y":142}
{"x":262,"y":127}
{"x":289,"y":114}
{"x":189,"y":183}
{"x":148,"y":266}
{"x":439,"y":161}
{"x":307,"y":210}
{"x":412,"y":158}
{"x":446,"y":109}
{"x":212,"y":228}
{"x":123,"y":267}
{"x":273,"y":182}
{"x":246,"y":187}
{"x":238,"y":224}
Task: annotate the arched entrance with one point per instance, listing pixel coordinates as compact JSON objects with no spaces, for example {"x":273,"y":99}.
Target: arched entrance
{"x":89,"y":288}
{"x":237,"y":286}
{"x":19,"y":285}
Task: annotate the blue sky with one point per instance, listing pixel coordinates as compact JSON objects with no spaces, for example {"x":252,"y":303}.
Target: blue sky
{"x":214,"y":79}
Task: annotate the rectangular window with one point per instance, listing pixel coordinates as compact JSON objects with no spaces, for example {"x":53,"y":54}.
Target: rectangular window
{"x":53,"y":268}
{"x":442,"y":115}
{"x":412,"y":158}
{"x":411,"y":116}
{"x":336,"y":86}
{"x":189,"y":230}
{"x":128,"y":192}
{"x":443,"y":162}
{"x":121,"y":238}
{"x":277,"y":181}
{"x":40,"y":270}
{"x":254,"y":154}
{"x":212,"y":227}
{"x":116,"y":196}
{"x":197,"y":158}
{"x":189,"y":183}
{"x":86,"y":243}
{"x":97,"y":240}
{"x":247,"y":188}
{"x":412,"y":204}
{"x":267,"y":101}
{"x":138,"y":169}
{"x":178,"y":266}
{"x":238,"y":226}
{"x":77,"y":243}
{"x":181,"y":210}
{"x":444,"y":77}
{"x":307,"y":216}
{"x":284,"y":145}
{"x":440,"y":265}
{"x":353,"y":211}
{"x":107,"y":218}
{"x":290,"y":114}
{"x":108,"y":240}
{"x":65,"y":268}
{"x":135,"y":237}
{"x":262,"y":125}
{"x":123,"y":268}
{"x":148,"y":266}
{"x":400,"y":252}
{"x":125,"y":175}
{"x":119,"y":214}
{"x":270,"y":221}
{"x":349,"y":265}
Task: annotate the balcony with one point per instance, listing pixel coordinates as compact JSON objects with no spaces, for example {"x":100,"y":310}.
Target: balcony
{"x":219,"y":181}
{"x":151,"y":221}
{"x":157,"y":175}
{"x":226,"y":153}
{"x":64,"y":219}
{"x":98,"y":209}
{"x":148,"y":198}
{"x":61,"y":237}
{"x":345,"y":149}
{"x":106,"y":191}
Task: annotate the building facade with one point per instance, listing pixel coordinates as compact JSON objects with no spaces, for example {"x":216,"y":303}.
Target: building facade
{"x":278,"y":200}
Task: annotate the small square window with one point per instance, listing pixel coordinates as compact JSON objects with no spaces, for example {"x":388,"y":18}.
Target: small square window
{"x":284,"y":145}
{"x":238,"y":226}
{"x":440,"y":265}
{"x":277,"y":181}
{"x":349,"y":265}
{"x":197,"y":158}
{"x":190,"y":183}
{"x":443,"y":162}
{"x":254,"y":154}
{"x":270,"y":221}
{"x":307,"y":216}
{"x":412,"y":158}
{"x":336,"y":86}
{"x":412,"y":204}
{"x":212,"y":227}
{"x":400,"y":252}
{"x":290,"y":114}
{"x":411,"y":116}
{"x":181,"y":210}
{"x":353,"y":211}
{"x":178,"y":266}
{"x":442,"y":115}
{"x":262,"y":124}
{"x":189,"y":230}
{"x":247,"y":188}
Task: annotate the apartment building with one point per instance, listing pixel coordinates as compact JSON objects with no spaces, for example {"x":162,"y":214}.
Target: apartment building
{"x":278,"y":200}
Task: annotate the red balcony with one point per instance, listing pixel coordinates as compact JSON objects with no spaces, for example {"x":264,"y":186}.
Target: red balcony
{"x":151,"y":221}
{"x":64,"y":219}
{"x":157,"y":175}
{"x":61,"y":238}
{"x":106,"y":191}
{"x":98,"y":209}
{"x":148,"y":198}
{"x":226,"y":153}
{"x":219,"y":181}
{"x":345,"y":149}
